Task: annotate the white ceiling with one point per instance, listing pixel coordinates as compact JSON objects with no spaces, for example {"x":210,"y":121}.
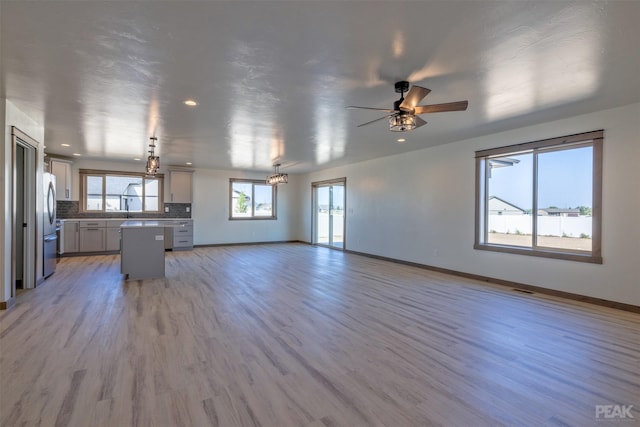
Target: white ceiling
{"x":272,"y":79}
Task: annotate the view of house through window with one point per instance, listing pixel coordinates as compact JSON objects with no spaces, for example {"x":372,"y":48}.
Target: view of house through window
{"x":510,"y":189}
{"x":539,"y":197}
{"x":120,"y":192}
{"x":252,"y":199}
{"x":94,"y":197}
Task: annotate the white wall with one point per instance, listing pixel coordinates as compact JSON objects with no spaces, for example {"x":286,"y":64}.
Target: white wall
{"x":211,"y":211}
{"x":419,"y":207}
{"x":13,"y":116}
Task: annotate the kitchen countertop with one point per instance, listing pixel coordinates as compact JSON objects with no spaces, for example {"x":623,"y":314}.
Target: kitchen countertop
{"x":152,"y":223}
{"x":126,"y":219}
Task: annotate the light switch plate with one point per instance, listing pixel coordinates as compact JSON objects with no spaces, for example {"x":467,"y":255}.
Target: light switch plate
{"x":166,"y":209}
{"x":188,"y":209}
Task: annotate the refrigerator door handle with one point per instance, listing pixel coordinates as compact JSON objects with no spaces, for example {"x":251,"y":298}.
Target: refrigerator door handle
{"x":51,"y":203}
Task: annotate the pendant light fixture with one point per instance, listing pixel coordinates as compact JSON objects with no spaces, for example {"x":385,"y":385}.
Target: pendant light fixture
{"x":153,"y":161}
{"x":277,"y":177}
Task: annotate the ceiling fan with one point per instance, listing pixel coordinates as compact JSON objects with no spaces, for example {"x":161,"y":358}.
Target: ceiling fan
{"x":404,"y":116}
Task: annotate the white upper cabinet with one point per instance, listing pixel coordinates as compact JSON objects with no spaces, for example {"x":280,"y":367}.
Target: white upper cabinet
{"x":62,"y":171}
{"x":180,"y":186}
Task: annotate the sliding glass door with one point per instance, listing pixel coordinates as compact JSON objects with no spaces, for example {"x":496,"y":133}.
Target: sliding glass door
{"x":329,"y":199}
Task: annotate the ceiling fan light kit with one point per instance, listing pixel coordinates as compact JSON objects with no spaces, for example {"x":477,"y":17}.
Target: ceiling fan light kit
{"x":402,"y":122}
{"x":404,"y":116}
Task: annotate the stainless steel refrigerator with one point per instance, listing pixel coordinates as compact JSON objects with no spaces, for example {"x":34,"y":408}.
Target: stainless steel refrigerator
{"x":50,"y":238}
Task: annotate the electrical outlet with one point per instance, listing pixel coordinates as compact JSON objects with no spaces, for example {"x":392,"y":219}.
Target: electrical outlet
{"x":166,"y":209}
{"x":188,"y":208}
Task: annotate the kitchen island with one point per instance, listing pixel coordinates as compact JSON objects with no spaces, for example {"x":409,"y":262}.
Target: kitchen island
{"x":142,"y":248}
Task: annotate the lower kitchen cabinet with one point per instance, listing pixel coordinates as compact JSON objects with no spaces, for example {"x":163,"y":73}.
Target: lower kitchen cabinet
{"x":183,"y":236}
{"x":113,"y":236}
{"x":92,"y":236}
{"x":69,"y":237}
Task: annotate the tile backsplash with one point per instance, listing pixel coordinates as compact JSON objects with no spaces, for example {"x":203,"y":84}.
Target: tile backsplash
{"x":71,"y":209}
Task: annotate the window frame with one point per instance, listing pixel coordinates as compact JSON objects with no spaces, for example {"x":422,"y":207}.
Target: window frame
{"x":594,"y":139}
{"x":84,"y":173}
{"x":253,"y":182}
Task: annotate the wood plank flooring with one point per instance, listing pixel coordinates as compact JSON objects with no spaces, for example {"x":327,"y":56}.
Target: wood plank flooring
{"x":296,"y":335}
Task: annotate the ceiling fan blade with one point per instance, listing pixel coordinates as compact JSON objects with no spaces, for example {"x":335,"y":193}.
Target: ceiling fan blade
{"x":415,"y":95}
{"x":351,"y":107}
{"x":440,"y":108}
{"x":373,"y":121}
{"x":420,"y":122}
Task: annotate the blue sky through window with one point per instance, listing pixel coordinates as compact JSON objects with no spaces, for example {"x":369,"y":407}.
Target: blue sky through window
{"x":564,"y":179}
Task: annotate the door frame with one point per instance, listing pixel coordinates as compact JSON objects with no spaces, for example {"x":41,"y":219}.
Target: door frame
{"x":327,"y":183}
{"x":30,"y":145}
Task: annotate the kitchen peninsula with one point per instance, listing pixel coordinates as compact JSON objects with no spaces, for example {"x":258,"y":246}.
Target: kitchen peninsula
{"x":142,"y":248}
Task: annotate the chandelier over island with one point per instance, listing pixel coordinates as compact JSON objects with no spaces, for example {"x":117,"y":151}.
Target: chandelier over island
{"x":153,"y":161}
{"x":277,"y":177}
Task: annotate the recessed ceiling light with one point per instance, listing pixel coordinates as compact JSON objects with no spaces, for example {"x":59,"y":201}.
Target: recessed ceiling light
{"x":401,"y":140}
{"x":190,"y":103}
{"x":136,"y":159}
{"x":66,"y":145}
{"x":189,"y":163}
{"x":77,"y":154}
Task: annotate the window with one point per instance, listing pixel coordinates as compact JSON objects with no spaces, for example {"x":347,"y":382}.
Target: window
{"x":106,"y":191}
{"x":249,"y":199}
{"x":542,"y":198}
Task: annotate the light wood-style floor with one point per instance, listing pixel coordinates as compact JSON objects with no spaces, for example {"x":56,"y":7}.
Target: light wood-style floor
{"x":296,"y":335}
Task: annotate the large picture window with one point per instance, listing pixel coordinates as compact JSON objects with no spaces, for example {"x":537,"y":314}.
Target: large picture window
{"x":251,"y":199}
{"x":542,"y":198}
{"x":106,"y":191}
